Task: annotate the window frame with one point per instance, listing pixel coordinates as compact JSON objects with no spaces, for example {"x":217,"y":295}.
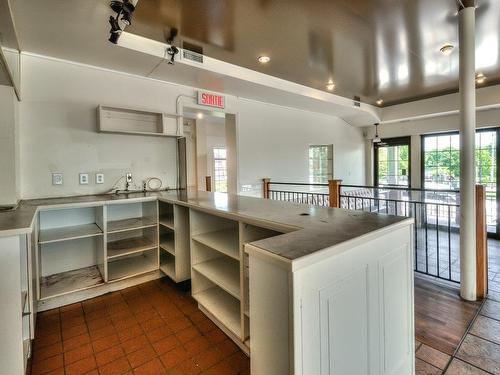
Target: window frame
{"x":329,"y":161}
{"x":396,"y":141}
{"x":214,"y":159}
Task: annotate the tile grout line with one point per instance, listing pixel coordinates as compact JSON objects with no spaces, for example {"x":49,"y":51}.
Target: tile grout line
{"x":469,"y":327}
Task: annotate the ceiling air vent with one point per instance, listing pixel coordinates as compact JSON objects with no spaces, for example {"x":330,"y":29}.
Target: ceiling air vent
{"x":192,"y":52}
{"x":357,"y":101}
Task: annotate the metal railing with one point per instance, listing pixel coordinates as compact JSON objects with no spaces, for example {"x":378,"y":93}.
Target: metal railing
{"x":437,"y":221}
{"x":436,"y":214}
{"x":316,"y":194}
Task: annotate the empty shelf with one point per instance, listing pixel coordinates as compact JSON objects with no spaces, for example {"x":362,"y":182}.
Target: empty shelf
{"x":224,"y":241}
{"x":128,"y":246}
{"x":224,"y":272}
{"x":69,"y":233}
{"x":168,"y":245}
{"x":70,"y":281}
{"x":224,"y":307}
{"x":167,"y":222}
{"x":130,"y":224}
{"x":132,"y":266}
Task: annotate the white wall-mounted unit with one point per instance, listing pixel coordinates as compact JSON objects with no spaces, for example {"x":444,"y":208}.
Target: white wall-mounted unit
{"x":138,"y":122}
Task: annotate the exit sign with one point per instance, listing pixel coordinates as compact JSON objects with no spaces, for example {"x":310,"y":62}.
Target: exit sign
{"x":210,"y":99}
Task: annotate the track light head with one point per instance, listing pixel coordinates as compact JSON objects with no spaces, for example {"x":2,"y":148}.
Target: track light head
{"x":127,"y":18}
{"x":125,"y":8}
{"x":172,"y":51}
{"x":113,"y":37}
{"x":116,"y":6}
{"x":115,"y":27}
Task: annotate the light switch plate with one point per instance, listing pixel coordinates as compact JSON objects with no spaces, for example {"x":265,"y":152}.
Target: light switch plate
{"x":99,"y":178}
{"x":57,"y":178}
{"x":84,"y":178}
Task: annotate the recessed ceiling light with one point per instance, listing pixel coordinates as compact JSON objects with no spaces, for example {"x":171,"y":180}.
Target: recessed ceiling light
{"x":380,"y":102}
{"x":264,"y":59}
{"x":330,"y":86}
{"x":447,"y":49}
{"x":480,"y":78}
{"x":199,"y":115}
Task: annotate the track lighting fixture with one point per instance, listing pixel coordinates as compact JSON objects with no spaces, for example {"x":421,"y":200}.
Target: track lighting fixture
{"x":115,"y":30}
{"x":123,"y":8}
{"x":377,"y":138}
{"x":172,"y":50}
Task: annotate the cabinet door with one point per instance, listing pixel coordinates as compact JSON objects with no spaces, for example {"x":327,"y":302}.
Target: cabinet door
{"x":356,"y":311}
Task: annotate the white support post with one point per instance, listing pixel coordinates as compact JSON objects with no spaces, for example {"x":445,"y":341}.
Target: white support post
{"x":467,"y":86}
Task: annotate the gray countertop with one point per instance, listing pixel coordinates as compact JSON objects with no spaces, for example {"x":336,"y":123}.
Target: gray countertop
{"x":309,"y":228}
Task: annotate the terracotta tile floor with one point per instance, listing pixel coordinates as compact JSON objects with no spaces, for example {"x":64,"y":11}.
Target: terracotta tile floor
{"x":153,"y":328}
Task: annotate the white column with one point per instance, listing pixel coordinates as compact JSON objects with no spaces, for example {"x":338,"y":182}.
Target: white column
{"x":467,"y":86}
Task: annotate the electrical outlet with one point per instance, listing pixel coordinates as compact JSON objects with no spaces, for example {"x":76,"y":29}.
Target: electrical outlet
{"x":57,"y":178}
{"x":84,"y":178}
{"x":99,"y":178}
{"x":128,"y":177}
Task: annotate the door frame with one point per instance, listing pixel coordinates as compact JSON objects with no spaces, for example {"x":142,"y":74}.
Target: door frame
{"x":397,"y":141}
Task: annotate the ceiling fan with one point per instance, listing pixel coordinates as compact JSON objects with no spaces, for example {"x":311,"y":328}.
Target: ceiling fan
{"x":377,"y":140}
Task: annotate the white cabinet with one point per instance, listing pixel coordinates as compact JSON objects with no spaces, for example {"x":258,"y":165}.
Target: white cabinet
{"x":348,"y":312}
{"x":138,"y":121}
{"x":16,"y":313}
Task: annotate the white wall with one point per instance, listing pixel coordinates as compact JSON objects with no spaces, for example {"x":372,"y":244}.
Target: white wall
{"x":274,"y":142}
{"x":59,"y":128}
{"x":9,"y":150}
{"x":58,"y":132}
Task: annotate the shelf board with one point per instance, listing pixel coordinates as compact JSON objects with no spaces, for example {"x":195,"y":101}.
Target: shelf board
{"x":69,"y":233}
{"x":128,"y":246}
{"x":223,"y":306}
{"x":132,"y":266}
{"x":70,"y":281}
{"x":224,"y":272}
{"x":123,"y":225}
{"x":168,"y":269}
{"x":224,"y":241}
{"x":167,"y":222}
{"x":168,"y":245}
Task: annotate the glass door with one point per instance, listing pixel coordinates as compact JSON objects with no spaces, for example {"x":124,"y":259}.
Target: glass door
{"x":486,"y":174}
{"x":392,"y":162}
{"x":441,"y":167}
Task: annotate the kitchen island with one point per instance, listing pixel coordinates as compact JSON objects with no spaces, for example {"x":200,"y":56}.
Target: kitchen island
{"x":302,"y":289}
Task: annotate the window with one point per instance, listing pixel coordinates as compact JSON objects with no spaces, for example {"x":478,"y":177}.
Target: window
{"x":441,"y":166}
{"x":220,"y":170}
{"x":441,"y":155}
{"x":392,"y":162}
{"x":320,"y":163}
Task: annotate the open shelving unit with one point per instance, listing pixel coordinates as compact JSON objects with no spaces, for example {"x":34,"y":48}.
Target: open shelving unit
{"x":174,"y":241}
{"x":249,"y":233}
{"x":131,"y":239}
{"x":70,"y":250}
{"x":215,"y":275}
{"x":138,"y":122}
